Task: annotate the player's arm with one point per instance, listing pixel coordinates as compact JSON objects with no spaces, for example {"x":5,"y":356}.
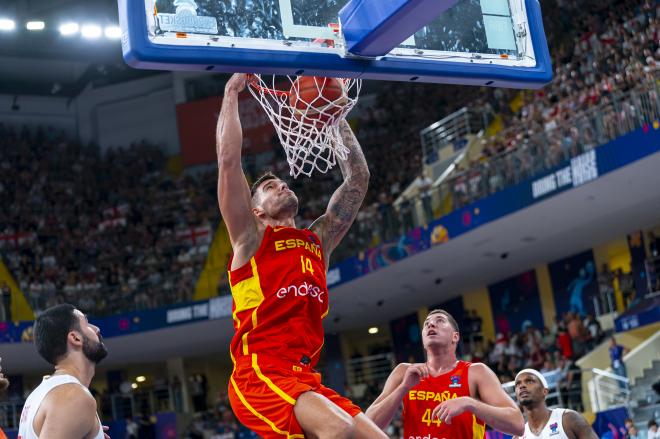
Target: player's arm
{"x":494,"y":406}
{"x":347,"y":199}
{"x":233,"y":190}
{"x":576,"y":427}
{"x":403,"y":378}
{"x":72,"y":414}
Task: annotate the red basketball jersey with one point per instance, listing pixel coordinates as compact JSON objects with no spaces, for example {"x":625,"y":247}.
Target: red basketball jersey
{"x":419,"y":402}
{"x":280,"y":298}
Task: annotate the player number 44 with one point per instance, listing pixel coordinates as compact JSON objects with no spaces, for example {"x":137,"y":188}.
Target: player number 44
{"x":426,"y":419}
{"x":306,"y":265}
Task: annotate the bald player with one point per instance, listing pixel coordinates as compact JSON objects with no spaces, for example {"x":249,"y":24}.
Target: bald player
{"x":542,"y":422}
{"x":62,"y":407}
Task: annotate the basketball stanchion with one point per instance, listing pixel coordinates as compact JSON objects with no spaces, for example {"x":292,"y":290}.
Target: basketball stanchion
{"x":306,"y":112}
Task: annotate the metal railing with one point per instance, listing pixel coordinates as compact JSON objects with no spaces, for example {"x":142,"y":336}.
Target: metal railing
{"x":374,"y":368}
{"x":118,"y":406}
{"x":653,"y":274}
{"x":618,"y":114}
{"x":607,"y":390}
{"x":10,"y":414}
{"x":449,"y":130}
{"x":131,"y":404}
{"x":605,"y":302}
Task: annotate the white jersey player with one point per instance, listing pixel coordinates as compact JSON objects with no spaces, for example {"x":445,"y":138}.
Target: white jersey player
{"x":542,"y":422}
{"x":62,"y":407}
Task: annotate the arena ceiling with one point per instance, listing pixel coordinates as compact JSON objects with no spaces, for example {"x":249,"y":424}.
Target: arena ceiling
{"x":47,"y":63}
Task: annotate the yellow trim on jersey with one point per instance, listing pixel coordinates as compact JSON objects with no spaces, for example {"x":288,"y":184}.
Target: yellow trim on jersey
{"x":269,"y":383}
{"x":319,"y":349}
{"x":246,"y":351}
{"x":245,"y":343}
{"x":478,"y":430}
{"x":260,"y":416}
{"x":247,"y":294}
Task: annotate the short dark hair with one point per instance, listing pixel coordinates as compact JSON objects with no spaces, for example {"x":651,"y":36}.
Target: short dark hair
{"x":652,"y":423}
{"x":452,"y":320}
{"x":267,"y":176}
{"x":51,"y":330}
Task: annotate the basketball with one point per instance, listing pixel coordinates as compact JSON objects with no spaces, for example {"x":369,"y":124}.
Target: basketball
{"x":317,"y":97}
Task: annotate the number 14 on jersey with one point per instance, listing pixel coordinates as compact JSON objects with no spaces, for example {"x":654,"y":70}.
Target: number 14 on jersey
{"x":306,"y":265}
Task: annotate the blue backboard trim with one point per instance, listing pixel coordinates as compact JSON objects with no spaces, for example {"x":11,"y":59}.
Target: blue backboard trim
{"x":374,"y":28}
{"x":140,"y":52}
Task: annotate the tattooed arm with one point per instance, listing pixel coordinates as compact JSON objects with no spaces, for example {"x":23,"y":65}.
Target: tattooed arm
{"x":347,"y":199}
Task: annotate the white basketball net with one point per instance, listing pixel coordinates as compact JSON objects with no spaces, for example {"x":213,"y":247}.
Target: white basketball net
{"x":309,"y":134}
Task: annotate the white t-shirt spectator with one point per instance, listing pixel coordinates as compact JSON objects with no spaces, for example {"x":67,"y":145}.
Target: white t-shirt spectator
{"x":423,"y":185}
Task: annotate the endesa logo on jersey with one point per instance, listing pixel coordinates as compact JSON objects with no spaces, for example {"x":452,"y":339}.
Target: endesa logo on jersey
{"x":304,"y":289}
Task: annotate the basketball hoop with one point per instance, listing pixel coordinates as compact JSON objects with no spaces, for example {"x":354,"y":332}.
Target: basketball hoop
{"x":308,"y":128}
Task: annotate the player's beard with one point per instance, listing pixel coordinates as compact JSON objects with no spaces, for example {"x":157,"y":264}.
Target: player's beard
{"x":529,"y":402}
{"x":288,"y":207}
{"x":95,"y":351}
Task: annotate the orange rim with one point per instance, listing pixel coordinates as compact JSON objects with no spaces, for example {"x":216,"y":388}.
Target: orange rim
{"x":254,"y":83}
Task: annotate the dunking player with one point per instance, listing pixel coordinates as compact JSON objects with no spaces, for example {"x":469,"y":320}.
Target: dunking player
{"x":445,"y":398}
{"x":62,"y":407}
{"x":278,"y":282}
{"x":543,"y":423}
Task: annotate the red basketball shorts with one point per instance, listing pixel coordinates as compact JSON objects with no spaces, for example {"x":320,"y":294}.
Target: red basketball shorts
{"x":263,"y":391}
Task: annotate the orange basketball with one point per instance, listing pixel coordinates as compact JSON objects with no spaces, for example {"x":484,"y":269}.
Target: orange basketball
{"x":317,"y":97}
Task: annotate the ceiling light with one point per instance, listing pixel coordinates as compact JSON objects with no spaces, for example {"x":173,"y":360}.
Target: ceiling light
{"x":140,"y":379}
{"x":112,"y":32}
{"x":35,"y":25}
{"x":373,"y":330}
{"x":69,"y":29}
{"x":7,"y":24}
{"x":91,"y":31}
{"x":134,"y":386}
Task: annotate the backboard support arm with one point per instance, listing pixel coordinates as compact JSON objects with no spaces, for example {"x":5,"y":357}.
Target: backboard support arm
{"x":373,"y":28}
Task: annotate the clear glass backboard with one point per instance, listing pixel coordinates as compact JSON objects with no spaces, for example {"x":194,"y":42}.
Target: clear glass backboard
{"x":481,"y":42}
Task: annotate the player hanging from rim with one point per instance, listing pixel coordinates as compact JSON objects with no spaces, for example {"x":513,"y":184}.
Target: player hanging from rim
{"x":445,"y":397}
{"x":543,"y":423}
{"x":278,"y":282}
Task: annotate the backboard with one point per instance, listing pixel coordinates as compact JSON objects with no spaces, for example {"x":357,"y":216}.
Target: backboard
{"x":479,"y":42}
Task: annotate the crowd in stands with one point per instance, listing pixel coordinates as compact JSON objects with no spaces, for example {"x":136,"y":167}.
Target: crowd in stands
{"x":108,"y":233}
{"x":615,"y":51}
{"x":597,"y":57}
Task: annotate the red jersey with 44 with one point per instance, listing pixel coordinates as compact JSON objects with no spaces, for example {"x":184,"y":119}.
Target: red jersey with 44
{"x":419,"y":402}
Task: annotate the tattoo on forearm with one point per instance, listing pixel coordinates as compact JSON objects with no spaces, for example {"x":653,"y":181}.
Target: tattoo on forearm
{"x":347,"y":199}
{"x":355,"y":163}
